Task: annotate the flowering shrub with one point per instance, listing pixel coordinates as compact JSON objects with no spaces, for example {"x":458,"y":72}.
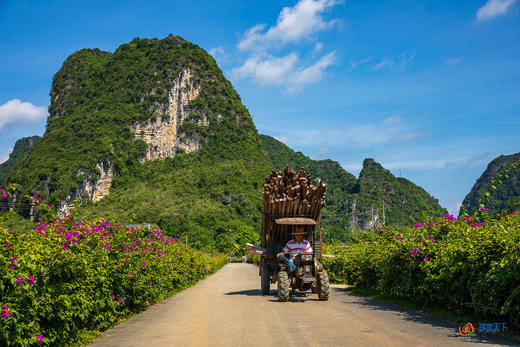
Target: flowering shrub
{"x":71,"y":276}
{"x":466,"y":264}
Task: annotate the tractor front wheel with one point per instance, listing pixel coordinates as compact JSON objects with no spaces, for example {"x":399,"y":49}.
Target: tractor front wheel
{"x":265,"y":279}
{"x":283,"y":286}
{"x":323,"y":286}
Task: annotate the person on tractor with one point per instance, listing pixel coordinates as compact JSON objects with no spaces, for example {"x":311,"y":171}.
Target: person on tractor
{"x":296,"y":245}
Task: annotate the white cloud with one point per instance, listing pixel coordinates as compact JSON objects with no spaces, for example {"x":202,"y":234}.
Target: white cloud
{"x":286,"y":70}
{"x":392,"y":119}
{"x":385,"y":63}
{"x":389,"y":131}
{"x":494,"y":8}
{"x":216,"y":51}
{"x":267,"y":69}
{"x":355,"y":64}
{"x":394,"y":64}
{"x":293,"y":24}
{"x":310,"y":74}
{"x":452,"y":61}
{"x":15,"y":111}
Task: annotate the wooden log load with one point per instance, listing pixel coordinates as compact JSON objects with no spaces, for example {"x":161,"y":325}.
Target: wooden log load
{"x":290,"y":194}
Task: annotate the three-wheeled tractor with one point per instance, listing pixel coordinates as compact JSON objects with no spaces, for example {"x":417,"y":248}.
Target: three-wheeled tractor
{"x":292,"y":202}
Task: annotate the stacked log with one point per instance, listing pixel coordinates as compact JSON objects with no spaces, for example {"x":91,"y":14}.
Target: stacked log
{"x":291,"y":194}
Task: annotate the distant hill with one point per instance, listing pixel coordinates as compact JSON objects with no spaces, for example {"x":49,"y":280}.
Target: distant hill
{"x":152,"y":132}
{"x":21,"y":148}
{"x":374,"y":198}
{"x":506,"y":196}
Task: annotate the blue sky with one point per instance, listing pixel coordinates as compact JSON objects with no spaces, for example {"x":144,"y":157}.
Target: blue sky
{"x":430,"y":89}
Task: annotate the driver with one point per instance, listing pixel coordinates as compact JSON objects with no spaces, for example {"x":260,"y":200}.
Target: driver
{"x":297,"y":244}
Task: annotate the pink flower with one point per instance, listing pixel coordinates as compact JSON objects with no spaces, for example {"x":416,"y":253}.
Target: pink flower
{"x":144,"y":302}
{"x":424,"y":243}
{"x":119,"y":301}
{"x":19,"y":280}
{"x":13,"y":259}
{"x":13,"y":266}
{"x":6,"y":313}
{"x":8,"y":245}
{"x":4,"y":195}
{"x":425,"y":259}
{"x":113,"y":296}
{"x":40,"y":337}
{"x":30,"y":279}
{"x":418,"y":225}
{"x":4,"y":307}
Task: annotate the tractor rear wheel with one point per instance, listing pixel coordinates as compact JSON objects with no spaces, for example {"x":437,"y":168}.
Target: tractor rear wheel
{"x":283,"y":286}
{"x":265,"y":279}
{"x":323,"y":286}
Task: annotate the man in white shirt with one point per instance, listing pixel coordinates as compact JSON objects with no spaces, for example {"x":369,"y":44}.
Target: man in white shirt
{"x":297,"y":244}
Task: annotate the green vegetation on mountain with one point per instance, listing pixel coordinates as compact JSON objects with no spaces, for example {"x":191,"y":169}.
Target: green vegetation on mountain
{"x":21,"y":148}
{"x":97,"y":97}
{"x":376,"y":198}
{"x":506,"y":195}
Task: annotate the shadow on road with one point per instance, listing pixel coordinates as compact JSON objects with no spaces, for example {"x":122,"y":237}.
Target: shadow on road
{"x":296,"y":297}
{"x":249,"y":292}
{"x":420,"y":317}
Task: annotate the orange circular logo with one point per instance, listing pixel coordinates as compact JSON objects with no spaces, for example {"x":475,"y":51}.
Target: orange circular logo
{"x":466,"y":329}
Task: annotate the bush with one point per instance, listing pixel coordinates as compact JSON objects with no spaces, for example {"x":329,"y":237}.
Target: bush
{"x":73,"y":276}
{"x":469,"y":265}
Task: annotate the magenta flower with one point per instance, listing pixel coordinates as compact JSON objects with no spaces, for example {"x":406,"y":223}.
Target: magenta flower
{"x":40,"y":337}
{"x":8,"y":245}
{"x":144,"y":302}
{"x":4,"y":307}
{"x":19,"y":280}
{"x":425,"y":259}
{"x":6,"y":313}
{"x":4,"y":195}
{"x":424,"y":243}
{"x":30,"y":279}
{"x":13,"y":266}
{"x":113,"y":296}
{"x":418,"y":225}
{"x":13,"y":259}
{"x":119,"y":301}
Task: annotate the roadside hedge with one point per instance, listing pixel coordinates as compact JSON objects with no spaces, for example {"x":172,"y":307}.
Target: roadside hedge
{"x":467,"y":265}
{"x":70,"y":278}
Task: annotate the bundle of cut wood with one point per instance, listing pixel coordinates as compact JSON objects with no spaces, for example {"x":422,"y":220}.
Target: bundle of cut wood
{"x":291,"y":194}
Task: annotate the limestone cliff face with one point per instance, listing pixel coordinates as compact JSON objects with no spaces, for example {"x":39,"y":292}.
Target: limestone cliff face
{"x":111,"y":112}
{"x":90,"y":189}
{"x":163,"y":134}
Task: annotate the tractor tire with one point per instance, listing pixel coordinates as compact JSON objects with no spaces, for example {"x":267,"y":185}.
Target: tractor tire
{"x":283,"y":286}
{"x":265,"y":280}
{"x":323,"y":286}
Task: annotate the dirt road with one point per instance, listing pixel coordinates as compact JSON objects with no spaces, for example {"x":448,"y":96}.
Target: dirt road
{"x":227,"y":309}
